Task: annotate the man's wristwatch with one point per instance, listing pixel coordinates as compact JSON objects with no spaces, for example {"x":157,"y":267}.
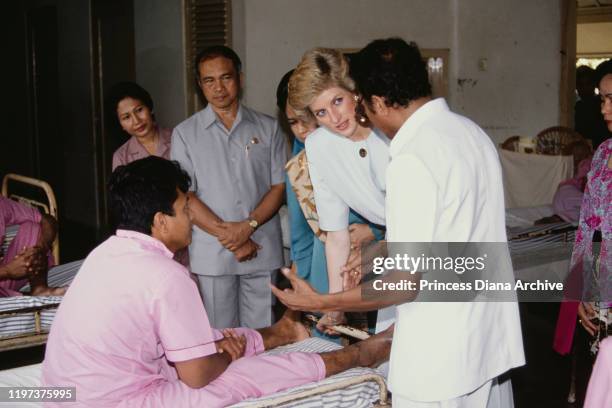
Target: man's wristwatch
{"x":253,"y":223}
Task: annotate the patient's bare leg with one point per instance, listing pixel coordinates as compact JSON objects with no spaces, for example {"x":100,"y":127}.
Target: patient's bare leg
{"x":289,"y":329}
{"x":367,"y":353}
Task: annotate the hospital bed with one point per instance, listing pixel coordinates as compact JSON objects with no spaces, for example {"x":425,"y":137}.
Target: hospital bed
{"x":539,"y":251}
{"x":25,"y":321}
{"x":355,"y":388}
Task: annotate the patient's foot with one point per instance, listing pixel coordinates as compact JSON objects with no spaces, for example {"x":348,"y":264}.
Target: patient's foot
{"x":289,"y":329}
{"x":291,"y":326}
{"x":331,"y":319}
{"x":48,"y":291}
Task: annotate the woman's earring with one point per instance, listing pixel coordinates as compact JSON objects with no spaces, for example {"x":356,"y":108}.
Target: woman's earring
{"x":356,"y":98}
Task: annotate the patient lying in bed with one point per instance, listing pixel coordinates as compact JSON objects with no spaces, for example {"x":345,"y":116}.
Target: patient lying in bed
{"x":28,"y":256}
{"x":132,"y":329}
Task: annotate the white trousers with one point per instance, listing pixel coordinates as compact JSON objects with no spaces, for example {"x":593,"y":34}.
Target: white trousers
{"x":491,"y":394}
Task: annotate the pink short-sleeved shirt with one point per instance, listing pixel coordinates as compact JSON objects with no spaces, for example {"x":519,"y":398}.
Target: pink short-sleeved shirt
{"x":132,"y":150}
{"x":129,"y":311}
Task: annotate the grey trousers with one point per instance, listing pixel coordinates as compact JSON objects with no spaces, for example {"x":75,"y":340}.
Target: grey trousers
{"x":238,"y":300}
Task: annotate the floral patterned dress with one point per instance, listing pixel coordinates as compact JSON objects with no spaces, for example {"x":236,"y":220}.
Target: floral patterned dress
{"x":591,"y":264}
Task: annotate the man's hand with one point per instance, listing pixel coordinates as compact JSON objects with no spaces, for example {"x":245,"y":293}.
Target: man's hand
{"x":233,"y":235}
{"x":302,"y":296}
{"x":360,"y":263}
{"x":585,"y":314}
{"x":352,"y":271}
{"x":247,"y":251}
{"x":232,"y":344}
{"x":27,"y":263}
{"x":360,"y":234}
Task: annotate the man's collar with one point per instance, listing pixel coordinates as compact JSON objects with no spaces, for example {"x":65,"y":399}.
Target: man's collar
{"x":146,"y":240}
{"x":406,"y":131}
{"x":210,"y":117}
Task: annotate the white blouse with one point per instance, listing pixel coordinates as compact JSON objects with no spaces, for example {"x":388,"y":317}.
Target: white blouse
{"x":347,"y":175}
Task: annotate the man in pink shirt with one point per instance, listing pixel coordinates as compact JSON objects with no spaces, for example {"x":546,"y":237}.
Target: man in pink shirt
{"x":132,"y":329}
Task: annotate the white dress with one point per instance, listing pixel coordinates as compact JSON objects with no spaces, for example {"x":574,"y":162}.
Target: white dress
{"x":349,"y":175}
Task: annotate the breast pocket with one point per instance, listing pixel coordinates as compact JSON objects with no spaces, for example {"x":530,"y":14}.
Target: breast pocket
{"x":257,"y":156}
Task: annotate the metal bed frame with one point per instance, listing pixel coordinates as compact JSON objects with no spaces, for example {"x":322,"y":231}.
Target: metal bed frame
{"x":39,"y":335}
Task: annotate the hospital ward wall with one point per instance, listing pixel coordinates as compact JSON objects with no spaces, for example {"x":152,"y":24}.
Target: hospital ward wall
{"x":504,"y":56}
{"x":160,"y":57}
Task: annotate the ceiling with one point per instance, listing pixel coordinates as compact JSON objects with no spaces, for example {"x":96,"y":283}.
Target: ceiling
{"x":584,"y":4}
{"x":594,"y":27}
{"x":594,"y":39}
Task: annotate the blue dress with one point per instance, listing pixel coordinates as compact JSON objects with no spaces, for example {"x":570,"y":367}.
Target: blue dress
{"x":307,"y":250}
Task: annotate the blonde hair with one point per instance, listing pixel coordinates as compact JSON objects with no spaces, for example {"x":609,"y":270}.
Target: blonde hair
{"x":319,"y":70}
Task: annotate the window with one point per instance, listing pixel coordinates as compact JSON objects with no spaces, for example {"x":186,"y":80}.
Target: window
{"x":437,"y":67}
{"x":207,"y":22}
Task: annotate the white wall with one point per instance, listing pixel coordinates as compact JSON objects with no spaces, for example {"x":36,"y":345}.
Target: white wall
{"x":278,"y":32}
{"x":160,"y":67}
{"x":517,"y":94}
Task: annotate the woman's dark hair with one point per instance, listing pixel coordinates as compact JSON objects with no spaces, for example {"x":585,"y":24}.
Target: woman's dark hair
{"x":215,"y":51}
{"x":123,"y":90}
{"x":282,"y":92}
{"x":392,"y":69}
{"x":602,"y":70}
{"x":132,"y":90}
{"x":143,"y":188}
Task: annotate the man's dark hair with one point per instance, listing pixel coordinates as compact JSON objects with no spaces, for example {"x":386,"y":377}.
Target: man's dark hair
{"x":392,"y":69}
{"x":215,"y":51}
{"x":282,"y":92}
{"x":602,"y":70}
{"x":584,"y":71}
{"x":144,"y":187}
